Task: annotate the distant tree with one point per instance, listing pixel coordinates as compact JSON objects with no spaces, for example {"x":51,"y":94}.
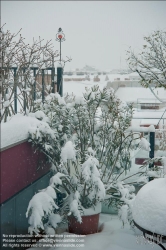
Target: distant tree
{"x":150,"y":63}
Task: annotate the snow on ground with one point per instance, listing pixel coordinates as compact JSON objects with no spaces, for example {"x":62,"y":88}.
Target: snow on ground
{"x":113,"y":237}
{"x":79,"y":87}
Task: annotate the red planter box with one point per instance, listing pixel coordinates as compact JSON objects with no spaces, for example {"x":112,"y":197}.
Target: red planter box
{"x":89,"y":224}
{"x":20,"y":166}
{"x":140,"y":161}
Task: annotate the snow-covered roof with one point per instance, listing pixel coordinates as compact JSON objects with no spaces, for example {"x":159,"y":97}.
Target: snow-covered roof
{"x":148,"y":101}
{"x":150,"y":114}
{"x":132,"y":94}
{"x":134,"y":74}
{"x":149,"y":121}
{"x":89,"y":68}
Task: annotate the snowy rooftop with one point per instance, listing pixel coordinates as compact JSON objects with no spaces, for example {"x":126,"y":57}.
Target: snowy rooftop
{"x":146,"y":121}
{"x":149,"y":113}
{"x":132,"y":94}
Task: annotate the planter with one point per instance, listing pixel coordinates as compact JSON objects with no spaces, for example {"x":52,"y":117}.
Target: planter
{"x":90,"y":222}
{"x":20,"y":167}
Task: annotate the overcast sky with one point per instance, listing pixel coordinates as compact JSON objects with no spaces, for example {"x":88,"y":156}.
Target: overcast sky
{"x":97,"y":32}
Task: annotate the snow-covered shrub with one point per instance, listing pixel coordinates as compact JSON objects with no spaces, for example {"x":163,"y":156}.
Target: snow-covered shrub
{"x":40,"y":207}
{"x":87,"y":140}
{"x":96,"y":120}
{"x":84,"y":189}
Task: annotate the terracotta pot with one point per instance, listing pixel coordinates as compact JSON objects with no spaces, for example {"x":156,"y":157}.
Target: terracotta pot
{"x":89,"y":224}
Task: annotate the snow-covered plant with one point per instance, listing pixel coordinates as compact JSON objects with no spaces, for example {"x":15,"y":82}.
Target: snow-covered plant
{"x":87,"y":139}
{"x":40,"y":208}
{"x":81,"y":184}
{"x":96,"y":120}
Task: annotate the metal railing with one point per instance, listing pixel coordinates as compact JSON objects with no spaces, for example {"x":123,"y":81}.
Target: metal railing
{"x":38,"y":89}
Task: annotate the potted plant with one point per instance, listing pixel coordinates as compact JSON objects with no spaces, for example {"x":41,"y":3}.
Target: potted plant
{"x":93,"y":128}
{"x":83,"y":190}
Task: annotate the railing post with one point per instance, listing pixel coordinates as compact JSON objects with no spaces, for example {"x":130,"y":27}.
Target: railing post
{"x":24,"y":91}
{"x":60,"y":80}
{"x":152,"y":148}
{"x":42,"y":85}
{"x":34,"y":90}
{"x":52,"y":79}
{"x":15,"y":91}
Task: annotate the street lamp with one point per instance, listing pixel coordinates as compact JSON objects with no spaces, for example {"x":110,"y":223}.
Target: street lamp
{"x":60,"y":37}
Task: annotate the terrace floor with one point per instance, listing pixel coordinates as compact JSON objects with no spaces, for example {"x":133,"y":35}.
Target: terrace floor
{"x":112,"y":237}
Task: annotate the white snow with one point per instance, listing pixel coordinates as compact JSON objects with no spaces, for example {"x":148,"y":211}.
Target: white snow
{"x":49,"y":230}
{"x":151,"y":128}
{"x":123,"y":212}
{"x":79,"y":87}
{"x":164,"y":164}
{"x":90,"y":211}
{"x":6,"y":103}
{"x":149,"y":207}
{"x":91,"y":175}
{"x":54,"y":219}
{"x":144,"y":144}
{"x":39,"y":114}
{"x":68,"y":152}
{"x":136,"y":128}
{"x":89,"y":168}
{"x":16,"y":129}
{"x":149,"y":115}
{"x":140,"y":94}
{"x":40,"y":204}
{"x":79,"y":100}
{"x":55,"y":180}
{"x":74,"y":210}
{"x":149,"y":121}
{"x":112,"y":237}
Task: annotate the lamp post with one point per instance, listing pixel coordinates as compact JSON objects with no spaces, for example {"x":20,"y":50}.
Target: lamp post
{"x":60,"y":37}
